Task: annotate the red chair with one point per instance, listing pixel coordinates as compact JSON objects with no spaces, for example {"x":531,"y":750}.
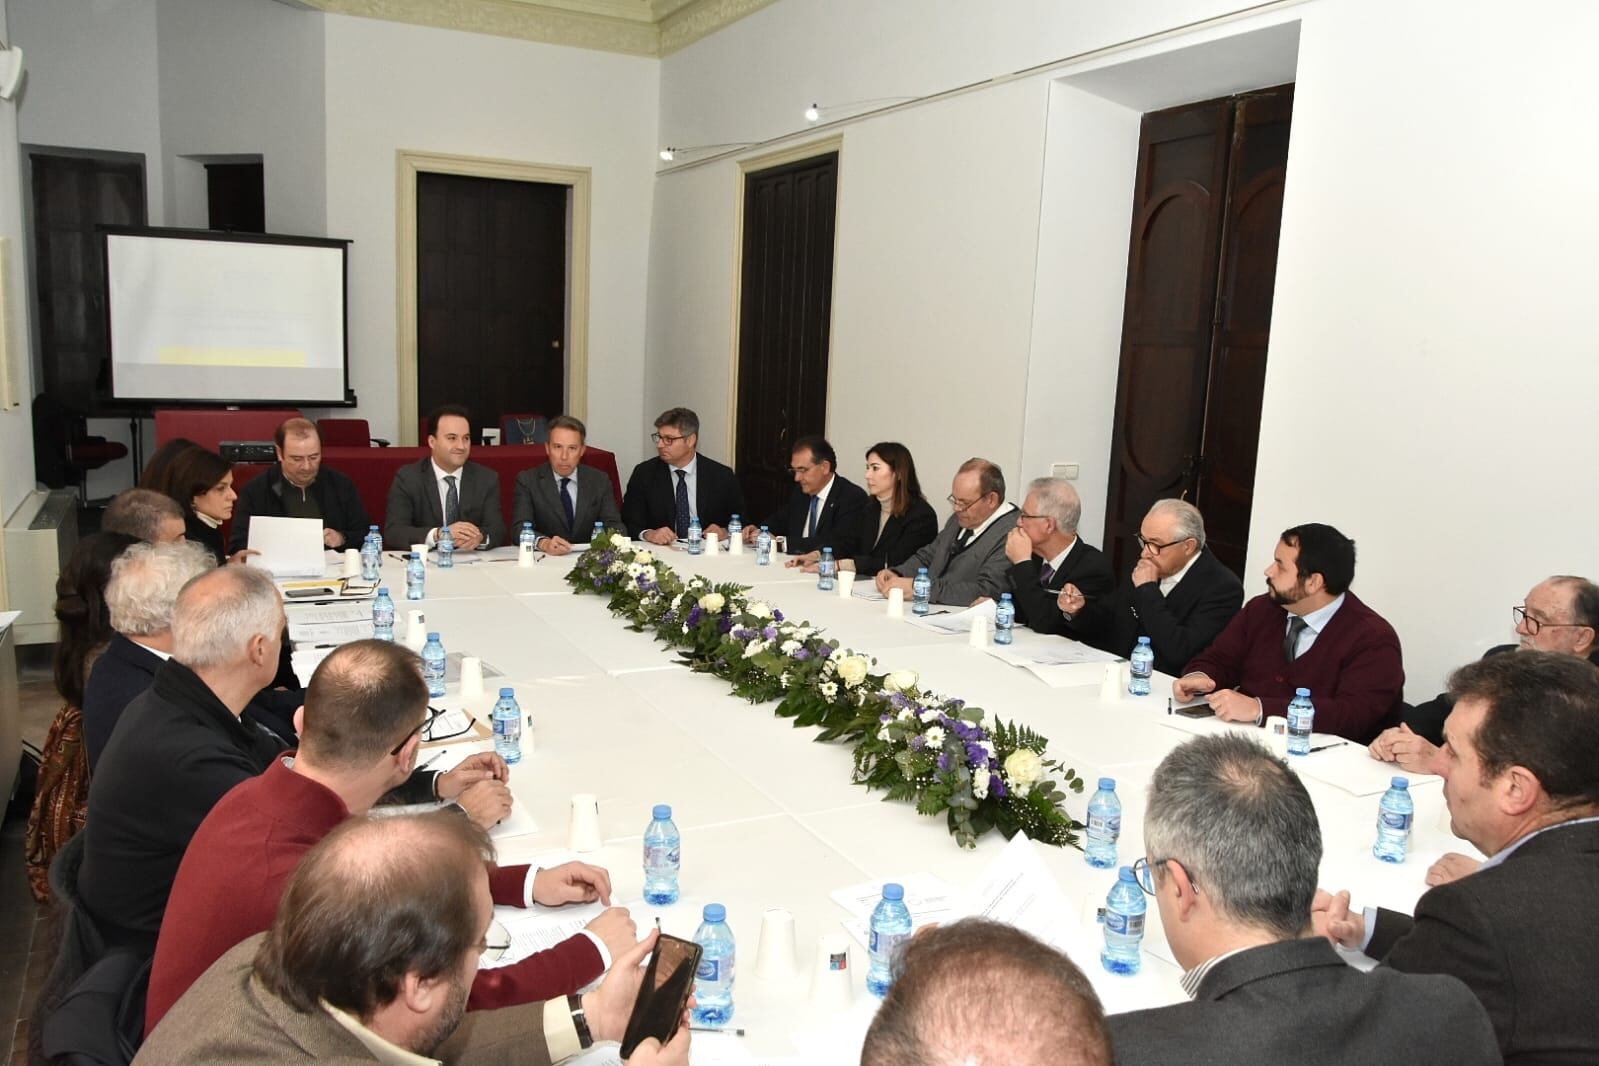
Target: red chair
{"x":347,"y":433}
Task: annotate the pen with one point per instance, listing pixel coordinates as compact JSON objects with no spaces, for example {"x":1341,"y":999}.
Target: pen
{"x":1324,"y":747}
{"x":430,"y":762}
{"x":713,"y":1029}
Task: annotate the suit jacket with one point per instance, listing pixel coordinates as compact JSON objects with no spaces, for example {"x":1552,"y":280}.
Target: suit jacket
{"x":901,"y":537}
{"x":1521,"y":934}
{"x":1179,"y":626}
{"x":228,"y":1017}
{"x":961,"y":577}
{"x":195,"y":529}
{"x":838,"y":523}
{"x":1085,"y":566}
{"x":650,"y":501}
{"x":1353,"y":670}
{"x":538,"y":500}
{"x":1298,"y":1002}
{"x":414,"y":507}
{"x":1428,"y":718}
{"x":335,"y":495}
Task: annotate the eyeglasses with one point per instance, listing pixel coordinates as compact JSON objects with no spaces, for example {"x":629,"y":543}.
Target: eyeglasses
{"x":1024,"y":514}
{"x":959,"y":506}
{"x":667,"y":438}
{"x":495,"y":943}
{"x":425,"y":727}
{"x":1144,"y":871}
{"x":1534,"y":625}
{"x":801,"y":471}
{"x":1153,"y":546}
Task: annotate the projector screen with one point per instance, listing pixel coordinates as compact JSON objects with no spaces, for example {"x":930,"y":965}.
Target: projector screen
{"x":225,"y":318}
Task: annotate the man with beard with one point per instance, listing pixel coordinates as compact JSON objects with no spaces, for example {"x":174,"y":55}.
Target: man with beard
{"x":1306,"y":631}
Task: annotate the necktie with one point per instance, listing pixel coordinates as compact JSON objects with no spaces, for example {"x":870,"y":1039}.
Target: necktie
{"x":566,"y":502}
{"x":452,"y":501}
{"x":810,"y":519}
{"x":962,"y":541}
{"x":1296,"y":626}
{"x":1046,"y":574}
{"x":682,"y":503}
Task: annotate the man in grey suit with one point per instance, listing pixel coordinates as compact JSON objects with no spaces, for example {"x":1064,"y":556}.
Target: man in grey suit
{"x":967,"y":559}
{"x":563,"y":499}
{"x":1232,"y":847}
{"x":446,"y":489}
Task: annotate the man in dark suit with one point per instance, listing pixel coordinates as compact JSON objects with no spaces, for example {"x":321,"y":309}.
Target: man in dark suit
{"x":1236,"y":910}
{"x":966,"y":561}
{"x":1307,"y":631}
{"x":679,"y":484}
{"x":299,"y":487}
{"x":446,"y":489}
{"x":1521,"y":778}
{"x":825,"y":508}
{"x":1046,"y":554}
{"x":1178,"y":595}
{"x":563,"y":498}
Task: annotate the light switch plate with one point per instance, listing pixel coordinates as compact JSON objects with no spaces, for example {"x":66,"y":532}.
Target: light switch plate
{"x":1065,"y":470}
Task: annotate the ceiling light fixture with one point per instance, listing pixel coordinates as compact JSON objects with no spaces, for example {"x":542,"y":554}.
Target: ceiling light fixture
{"x":671,"y":152}
{"x":815,"y":112}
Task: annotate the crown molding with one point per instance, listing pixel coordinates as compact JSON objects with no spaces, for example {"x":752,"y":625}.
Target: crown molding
{"x":687,"y":22}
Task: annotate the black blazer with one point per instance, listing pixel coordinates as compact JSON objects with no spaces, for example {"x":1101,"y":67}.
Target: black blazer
{"x":650,"y":501}
{"x":902,"y":536}
{"x":837,"y":524}
{"x":335,"y":494}
{"x":1298,"y":1002}
{"x":123,"y":671}
{"x":195,"y":529}
{"x":1085,"y":566}
{"x":414,"y":508}
{"x":538,"y":501}
{"x":1522,"y":936}
{"x":1179,"y":626}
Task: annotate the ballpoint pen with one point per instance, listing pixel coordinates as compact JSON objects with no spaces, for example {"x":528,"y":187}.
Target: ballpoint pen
{"x":1324,"y":747}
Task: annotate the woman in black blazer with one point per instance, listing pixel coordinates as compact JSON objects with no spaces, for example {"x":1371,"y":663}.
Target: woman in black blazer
{"x":900,"y":525}
{"x":202,"y":483}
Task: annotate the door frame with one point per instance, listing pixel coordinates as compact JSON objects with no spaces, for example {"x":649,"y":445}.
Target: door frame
{"x":577,"y":180}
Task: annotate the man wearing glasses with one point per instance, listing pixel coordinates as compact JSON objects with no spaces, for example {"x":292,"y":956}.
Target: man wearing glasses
{"x":1178,"y":595}
{"x":679,"y":484}
{"x":825,"y":508}
{"x":1232,"y":849}
{"x":966,"y":561}
{"x":1046,"y":555}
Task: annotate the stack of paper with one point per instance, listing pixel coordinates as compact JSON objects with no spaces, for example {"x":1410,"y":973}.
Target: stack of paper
{"x":944,"y":620}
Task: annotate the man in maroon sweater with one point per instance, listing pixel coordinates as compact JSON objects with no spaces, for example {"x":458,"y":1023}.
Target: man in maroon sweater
{"x":1306,"y":631}
{"x":359,"y":733}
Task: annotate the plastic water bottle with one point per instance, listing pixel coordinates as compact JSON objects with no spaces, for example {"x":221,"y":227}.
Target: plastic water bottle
{"x":921,"y":592}
{"x":663,"y":857}
{"x":1395,"y":811}
{"x":415,"y":576}
{"x":1124,"y":925}
{"x":371,"y":558}
{"x":527,"y":538}
{"x":383,"y":615}
{"x":827,"y":571}
{"x":508,"y":727}
{"x":433,"y":665}
{"x":696,"y":537}
{"x":1104,"y":825}
{"x":1005,"y":620}
{"x":1142,"y":666}
{"x":713,"y":981}
{"x":599,"y":531}
{"x":891,"y":924}
{"x":735,"y":530}
{"x":1301,"y":720}
{"x":763,"y":548}
{"x":446,"y":557}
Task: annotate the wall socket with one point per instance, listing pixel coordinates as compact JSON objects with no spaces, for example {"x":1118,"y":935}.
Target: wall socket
{"x":1065,"y":470}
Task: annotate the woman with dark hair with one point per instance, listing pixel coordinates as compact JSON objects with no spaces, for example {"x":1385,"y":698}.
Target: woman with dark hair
{"x":202,"y":483}
{"x":62,"y":793}
{"x":157,"y":472}
{"x":900,"y":525}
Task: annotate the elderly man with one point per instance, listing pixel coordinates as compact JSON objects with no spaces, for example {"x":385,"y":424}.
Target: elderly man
{"x":1521,"y":779}
{"x":446,"y":489}
{"x":370,"y":958}
{"x":663,"y":494}
{"x":967,"y":560}
{"x":1179,"y":595}
{"x":824,"y":510}
{"x":1307,"y":631}
{"x":563,"y":499}
{"x":1047,"y":556}
{"x":145,"y":514}
{"x":301,"y":487}
{"x":1236,"y":909}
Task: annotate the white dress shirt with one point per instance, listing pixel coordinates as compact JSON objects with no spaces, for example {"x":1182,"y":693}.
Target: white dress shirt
{"x":1169,"y":583}
{"x":1060,"y":560}
{"x":999,"y":512}
{"x":1315,"y":622}
{"x":821,"y":502}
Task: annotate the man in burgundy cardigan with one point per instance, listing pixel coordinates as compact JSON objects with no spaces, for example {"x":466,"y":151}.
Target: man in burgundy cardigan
{"x":359,"y":733}
{"x":1306,"y":631}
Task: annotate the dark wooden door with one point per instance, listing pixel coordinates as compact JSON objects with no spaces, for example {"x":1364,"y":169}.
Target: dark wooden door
{"x":785,"y":313}
{"x":72,"y":195}
{"x":491,"y":295}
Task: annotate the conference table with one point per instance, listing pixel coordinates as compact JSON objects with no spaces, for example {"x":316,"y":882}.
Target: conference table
{"x":770,"y":819}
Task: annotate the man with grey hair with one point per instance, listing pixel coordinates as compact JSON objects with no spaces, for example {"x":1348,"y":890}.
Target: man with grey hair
{"x":1046,"y":554}
{"x":1232,"y":849}
{"x":150,"y":516}
{"x":1179,"y":594}
{"x":966,"y":561}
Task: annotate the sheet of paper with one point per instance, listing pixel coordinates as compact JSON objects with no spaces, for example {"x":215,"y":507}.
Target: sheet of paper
{"x":1040,"y":649}
{"x":952,"y":621}
{"x":1019,"y":891}
{"x":289,"y":547}
{"x":319,"y":613}
{"x":318,"y":633}
{"x":863,"y":588}
{"x":1068,"y":675}
{"x":1351,"y":768}
{"x":535,"y":929}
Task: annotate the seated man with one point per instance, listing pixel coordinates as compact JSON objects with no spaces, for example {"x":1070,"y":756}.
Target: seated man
{"x":150,"y":516}
{"x":359,"y":735}
{"x":1307,"y":631}
{"x":979,"y":993}
{"x":1046,"y":555}
{"x":824,"y":510}
{"x":379,"y":936}
{"x":299,"y":487}
{"x":1178,"y":595}
{"x":664,"y":493}
{"x":1236,"y":909}
{"x":1521,"y":779}
{"x":563,"y":499}
{"x":446,"y":489}
{"x":966,"y":561}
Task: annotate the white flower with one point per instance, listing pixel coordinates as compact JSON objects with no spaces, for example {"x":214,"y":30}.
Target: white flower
{"x":882,"y":734}
{"x":712,"y":601}
{"x":789,"y":647}
{"x":758,"y":609}
{"x":642,"y":557}
{"x":852,"y":669}
{"x":785,"y":680}
{"x":677,"y":601}
{"x":829,"y":689}
{"x":934,"y":737}
{"x":617,"y":540}
{"x":928,"y":714}
{"x":900,"y":681}
{"x":980,"y":786}
{"x":754,"y":648}
{"x":634,"y":569}
{"x":617,"y":567}
{"x":906,"y":715}
{"x":1023,"y":770}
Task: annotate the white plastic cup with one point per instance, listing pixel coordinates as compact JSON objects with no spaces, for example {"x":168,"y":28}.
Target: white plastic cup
{"x":846,"y":580}
{"x":711,"y":543}
{"x":524,"y":556}
{"x":1277,"y":734}
{"x":416,"y":630}
{"x":352,"y":562}
{"x":735,"y":545}
{"x":775,"y":956}
{"x":421,"y":552}
{"x":978,"y":638}
{"x":832,"y":979}
{"x":1112,"y":687}
{"x":896,"y":603}
{"x":583,"y":828}
{"x":471,"y":676}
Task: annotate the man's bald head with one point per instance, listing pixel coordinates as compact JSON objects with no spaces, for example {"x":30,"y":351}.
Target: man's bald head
{"x":365,"y":698}
{"x":219,"y":614}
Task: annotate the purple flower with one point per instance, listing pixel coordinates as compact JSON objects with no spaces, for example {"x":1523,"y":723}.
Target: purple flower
{"x":669,"y":616}
{"x":607,"y":558}
{"x":943,"y":764}
{"x":823,"y":652}
{"x":918,"y":743}
{"x":885,"y":718}
{"x":801,"y":654}
{"x":976,"y":756}
{"x":725,"y":624}
{"x":898,"y":700}
{"x":776,"y":614}
{"x":996,"y":786}
{"x":770,"y":632}
{"x":695,"y":617}
{"x":596,"y":582}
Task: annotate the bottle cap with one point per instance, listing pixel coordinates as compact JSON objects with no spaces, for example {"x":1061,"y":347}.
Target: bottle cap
{"x":1305,"y":692}
{"x":383,"y":590}
{"x":662,"y":812}
{"x":1107,"y":784}
{"x":715,"y":912}
{"x":411,"y":555}
{"x":1126,"y":874}
{"x":433,"y":636}
{"x":893,"y":892}
{"x":1143,"y":640}
{"x":921,"y":571}
{"x":765,"y":529}
{"x":507,"y":693}
{"x":1004,"y":597}
{"x":827,"y":551}
{"x":735,"y":517}
{"x":1401,"y":783}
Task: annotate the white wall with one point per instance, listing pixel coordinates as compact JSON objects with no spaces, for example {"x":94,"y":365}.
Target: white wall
{"x":16,"y":425}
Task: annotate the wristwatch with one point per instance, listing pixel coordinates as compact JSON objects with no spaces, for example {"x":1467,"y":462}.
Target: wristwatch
{"x":580,"y":1022}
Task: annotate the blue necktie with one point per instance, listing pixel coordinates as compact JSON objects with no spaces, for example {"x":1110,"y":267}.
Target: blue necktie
{"x":810,"y":521}
{"x":682,"y":503}
{"x":566,"y":502}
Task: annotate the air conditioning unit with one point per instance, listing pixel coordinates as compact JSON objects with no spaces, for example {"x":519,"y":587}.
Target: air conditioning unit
{"x":40,"y":537}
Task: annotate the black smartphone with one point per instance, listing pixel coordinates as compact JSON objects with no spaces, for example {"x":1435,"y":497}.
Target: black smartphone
{"x":668,"y":981}
{"x":1202,"y":710}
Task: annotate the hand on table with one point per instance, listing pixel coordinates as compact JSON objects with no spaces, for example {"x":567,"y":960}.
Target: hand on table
{"x":572,"y":882}
{"x":1452,"y":867}
{"x":1144,"y":572}
{"x":1018,"y":545}
{"x":1331,"y":917}
{"x":808,"y":561}
{"x":887,"y":580}
{"x":751,"y":531}
{"x":1412,"y":752}
{"x":332,"y":538}
{"x":1231,"y":705}
{"x":553,"y":545}
{"x":666,"y":536}
{"x":717,"y":531}
{"x":488,"y":803}
{"x":482,"y":766}
{"x":466,"y":536}
{"x":1188,"y":686}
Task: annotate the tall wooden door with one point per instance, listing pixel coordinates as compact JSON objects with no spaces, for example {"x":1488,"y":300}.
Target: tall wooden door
{"x":785,"y":314}
{"x":491,"y":295}
{"x":1201,"y":269}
